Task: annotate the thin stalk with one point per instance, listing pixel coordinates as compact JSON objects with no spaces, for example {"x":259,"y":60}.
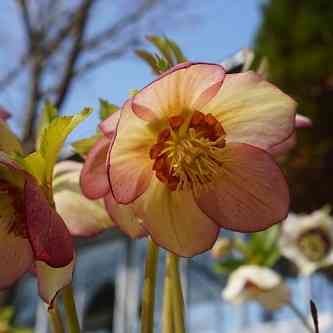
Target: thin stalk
{"x":301,"y":317}
{"x":167,"y":314}
{"x":70,"y":309}
{"x":177,"y":294}
{"x":148,"y":299}
{"x":55,"y":319}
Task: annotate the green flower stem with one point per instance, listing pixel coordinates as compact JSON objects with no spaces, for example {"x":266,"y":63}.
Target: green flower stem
{"x":148,"y":300}
{"x":301,"y":317}
{"x":70,"y":309}
{"x":167,"y":315}
{"x":55,"y":319}
{"x":177,"y":294}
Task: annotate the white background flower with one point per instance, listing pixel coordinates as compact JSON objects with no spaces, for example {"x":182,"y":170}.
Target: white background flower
{"x":257,"y":283}
{"x":307,"y":240}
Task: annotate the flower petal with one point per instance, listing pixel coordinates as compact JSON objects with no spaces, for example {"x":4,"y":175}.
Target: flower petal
{"x":175,"y":222}
{"x":94,"y":180}
{"x":83,"y":217}
{"x":251,"y":193}
{"x":48,"y":235}
{"x":51,"y":280}
{"x":253,"y":111}
{"x":109,"y":125}
{"x":130,"y":167}
{"x":15,"y":256}
{"x":123,"y":216}
{"x":282,"y":148}
{"x":302,"y":121}
{"x":189,"y":86}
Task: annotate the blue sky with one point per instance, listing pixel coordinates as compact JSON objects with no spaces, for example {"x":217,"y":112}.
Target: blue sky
{"x":222,"y":28}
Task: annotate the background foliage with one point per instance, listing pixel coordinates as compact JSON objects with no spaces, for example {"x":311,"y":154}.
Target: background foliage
{"x":297,"y":37}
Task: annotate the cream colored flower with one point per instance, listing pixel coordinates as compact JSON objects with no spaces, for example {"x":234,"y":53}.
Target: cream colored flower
{"x":81,"y":215}
{"x":307,"y":240}
{"x":255,"y":283}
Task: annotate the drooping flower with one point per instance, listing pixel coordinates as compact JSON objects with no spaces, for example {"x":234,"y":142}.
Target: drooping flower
{"x":190,"y":155}
{"x":94,"y":185}
{"x":255,"y":283}
{"x":33,"y":236}
{"x":307,"y":240}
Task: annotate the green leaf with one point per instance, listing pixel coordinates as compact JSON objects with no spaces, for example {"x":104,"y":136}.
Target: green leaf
{"x":229,"y":265}
{"x":169,"y":54}
{"x":54,"y":137}
{"x":35,"y":164}
{"x":162,"y":64}
{"x":83,"y":146}
{"x":272,"y":258}
{"x":163,"y":46}
{"x":49,"y":113}
{"x":178,"y":54}
{"x":148,"y":58}
{"x":106,"y":109}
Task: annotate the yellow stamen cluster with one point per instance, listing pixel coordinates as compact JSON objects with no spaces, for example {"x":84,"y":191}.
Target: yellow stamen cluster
{"x":315,"y":244}
{"x":188,"y":153}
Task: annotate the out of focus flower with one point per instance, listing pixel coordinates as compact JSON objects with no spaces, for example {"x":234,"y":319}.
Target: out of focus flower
{"x":190,"y":155}
{"x":83,"y":217}
{"x":221,"y":248}
{"x":33,"y":235}
{"x":95,"y":186}
{"x":255,"y":283}
{"x":307,"y":240}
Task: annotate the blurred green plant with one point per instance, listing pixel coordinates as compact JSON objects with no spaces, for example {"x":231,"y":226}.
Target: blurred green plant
{"x":259,"y":249}
{"x":6,"y":316}
{"x":168,"y":54}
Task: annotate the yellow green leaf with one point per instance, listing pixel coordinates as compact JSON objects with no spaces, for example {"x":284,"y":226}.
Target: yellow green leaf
{"x":35,"y":164}
{"x":49,"y":113}
{"x":106,"y":109}
{"x":54,"y":136}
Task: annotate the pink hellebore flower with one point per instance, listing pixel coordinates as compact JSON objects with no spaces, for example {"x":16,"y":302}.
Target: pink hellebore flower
{"x":94,"y":185}
{"x":190,"y":155}
{"x":33,"y":236}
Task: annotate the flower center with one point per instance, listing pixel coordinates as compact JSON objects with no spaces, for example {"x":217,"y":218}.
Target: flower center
{"x":11,"y":210}
{"x":253,"y":289}
{"x":314,"y":244}
{"x":187,"y":154}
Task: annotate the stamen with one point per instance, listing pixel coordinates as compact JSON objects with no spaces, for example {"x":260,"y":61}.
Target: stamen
{"x":188,"y":154}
